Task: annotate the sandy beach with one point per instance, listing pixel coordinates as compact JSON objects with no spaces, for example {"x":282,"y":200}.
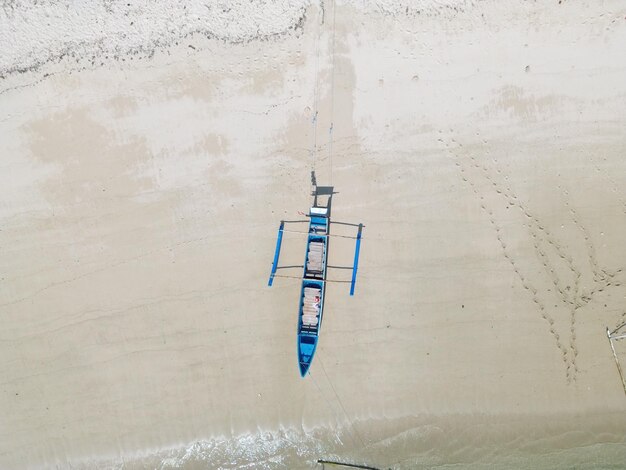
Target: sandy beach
{"x":148,"y":155}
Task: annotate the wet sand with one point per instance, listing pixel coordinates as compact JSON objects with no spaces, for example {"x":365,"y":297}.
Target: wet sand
{"x":483,"y":149}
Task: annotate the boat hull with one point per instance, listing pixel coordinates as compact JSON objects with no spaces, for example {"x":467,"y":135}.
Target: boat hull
{"x":311,"y":305}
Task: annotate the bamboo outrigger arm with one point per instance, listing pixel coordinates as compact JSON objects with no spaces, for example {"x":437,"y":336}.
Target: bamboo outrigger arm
{"x":614,"y":336}
{"x":344,"y":464}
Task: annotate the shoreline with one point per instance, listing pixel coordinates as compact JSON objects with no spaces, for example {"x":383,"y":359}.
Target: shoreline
{"x":473,"y":441}
{"x":482,"y":150}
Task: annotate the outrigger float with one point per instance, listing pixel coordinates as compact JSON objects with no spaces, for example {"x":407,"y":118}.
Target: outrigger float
{"x":313,"y":288}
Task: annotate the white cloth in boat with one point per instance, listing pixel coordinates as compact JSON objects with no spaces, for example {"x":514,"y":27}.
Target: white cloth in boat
{"x":309,"y":320}
{"x":316,"y":254}
{"x":310,"y":293}
{"x":311,"y":306}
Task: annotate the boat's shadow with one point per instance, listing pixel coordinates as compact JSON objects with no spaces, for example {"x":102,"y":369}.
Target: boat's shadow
{"x":322,"y":195}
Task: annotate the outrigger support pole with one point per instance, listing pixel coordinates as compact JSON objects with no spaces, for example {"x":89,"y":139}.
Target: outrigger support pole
{"x":355,"y":267}
{"x":619,"y":368}
{"x":279,"y":241}
{"x":350,"y":465}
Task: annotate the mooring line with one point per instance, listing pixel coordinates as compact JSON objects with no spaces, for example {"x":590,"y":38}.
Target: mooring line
{"x":313,"y":150}
{"x":332,"y":98}
{"x":350,"y":424}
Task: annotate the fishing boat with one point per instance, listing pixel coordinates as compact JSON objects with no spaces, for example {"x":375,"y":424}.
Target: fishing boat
{"x":313,"y":284}
{"x":314,"y":281}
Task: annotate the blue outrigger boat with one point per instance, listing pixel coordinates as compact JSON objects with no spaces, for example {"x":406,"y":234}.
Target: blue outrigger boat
{"x":313,"y":283}
{"x":313,"y":288}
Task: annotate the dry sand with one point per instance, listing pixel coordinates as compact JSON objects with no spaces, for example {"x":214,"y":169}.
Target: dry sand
{"x":481,"y":143}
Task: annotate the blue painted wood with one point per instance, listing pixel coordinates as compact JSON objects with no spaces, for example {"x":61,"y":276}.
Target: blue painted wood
{"x":355,"y":266}
{"x":308,"y":336}
{"x":318,"y":220}
{"x":279,"y":241}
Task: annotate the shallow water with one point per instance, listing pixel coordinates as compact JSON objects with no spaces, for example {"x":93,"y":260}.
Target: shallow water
{"x":561,"y":442}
